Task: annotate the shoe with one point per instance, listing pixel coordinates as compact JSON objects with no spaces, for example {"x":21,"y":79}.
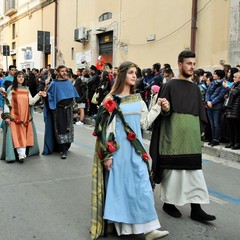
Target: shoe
{"x":201,"y":216}
{"x":63,"y":155}
{"x":79,"y":123}
{"x":171,"y":210}
{"x":229,"y":145}
{"x":21,"y":159}
{"x":156,"y":234}
{"x":210,"y":143}
{"x":236,"y":146}
{"x":215,"y":143}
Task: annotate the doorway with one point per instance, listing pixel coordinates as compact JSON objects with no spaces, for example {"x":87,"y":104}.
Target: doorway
{"x":106,"y":46}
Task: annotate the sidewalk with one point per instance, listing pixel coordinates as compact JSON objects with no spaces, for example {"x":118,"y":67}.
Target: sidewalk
{"x":216,"y":151}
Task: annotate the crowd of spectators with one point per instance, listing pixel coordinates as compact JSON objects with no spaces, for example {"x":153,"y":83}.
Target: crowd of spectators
{"x":220,"y":91}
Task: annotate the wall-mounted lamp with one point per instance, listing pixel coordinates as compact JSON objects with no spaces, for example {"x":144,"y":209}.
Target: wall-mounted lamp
{"x":101,"y":29}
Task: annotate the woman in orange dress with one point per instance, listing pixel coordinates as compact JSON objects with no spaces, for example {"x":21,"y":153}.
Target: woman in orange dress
{"x":19,"y":138}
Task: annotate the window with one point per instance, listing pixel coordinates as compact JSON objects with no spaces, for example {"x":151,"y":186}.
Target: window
{"x":13,"y":31}
{"x":105,"y":16}
{"x":9,"y":4}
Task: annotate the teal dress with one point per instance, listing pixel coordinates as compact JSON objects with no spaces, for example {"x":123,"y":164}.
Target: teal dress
{"x":129,"y":195}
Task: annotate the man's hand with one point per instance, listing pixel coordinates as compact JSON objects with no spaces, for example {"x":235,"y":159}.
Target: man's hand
{"x":209,"y":104}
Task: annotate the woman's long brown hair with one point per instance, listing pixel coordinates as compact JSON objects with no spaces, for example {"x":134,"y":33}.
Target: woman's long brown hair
{"x":119,"y":84}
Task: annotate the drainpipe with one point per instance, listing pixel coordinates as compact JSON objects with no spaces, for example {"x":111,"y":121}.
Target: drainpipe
{"x":55,"y":33}
{"x":194,"y":25}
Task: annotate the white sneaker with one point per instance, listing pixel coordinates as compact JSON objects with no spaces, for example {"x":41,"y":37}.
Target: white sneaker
{"x":156,"y":234}
{"x":79,"y":123}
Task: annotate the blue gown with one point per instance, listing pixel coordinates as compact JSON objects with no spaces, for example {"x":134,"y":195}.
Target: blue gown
{"x":129,"y":195}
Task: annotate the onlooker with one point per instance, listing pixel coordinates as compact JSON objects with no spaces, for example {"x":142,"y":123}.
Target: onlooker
{"x":82,"y":92}
{"x":154,"y":93}
{"x":232,"y":113}
{"x":214,"y":99}
{"x":92,"y":87}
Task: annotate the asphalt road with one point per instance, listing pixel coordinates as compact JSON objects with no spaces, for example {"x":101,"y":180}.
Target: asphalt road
{"x":47,"y":198}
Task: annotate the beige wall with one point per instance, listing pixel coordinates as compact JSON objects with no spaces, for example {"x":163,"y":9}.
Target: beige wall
{"x":131,"y":23}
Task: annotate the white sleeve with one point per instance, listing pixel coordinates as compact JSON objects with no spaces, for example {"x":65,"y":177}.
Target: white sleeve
{"x":33,"y":100}
{"x":147,"y":117}
{"x":111,"y":128}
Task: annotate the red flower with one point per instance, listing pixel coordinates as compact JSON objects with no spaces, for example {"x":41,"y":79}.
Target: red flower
{"x":3,"y":116}
{"x":94,"y":134}
{"x":17,"y":121}
{"x":100,"y":155}
{"x":4,"y":95}
{"x":145,"y":156}
{"x":25,"y":124}
{"x":110,"y":105}
{"x":111,"y":147}
{"x":131,"y":136}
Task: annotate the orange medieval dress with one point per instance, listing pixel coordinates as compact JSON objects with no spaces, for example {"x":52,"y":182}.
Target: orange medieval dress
{"x":21,"y":127}
{"x":21,"y":132}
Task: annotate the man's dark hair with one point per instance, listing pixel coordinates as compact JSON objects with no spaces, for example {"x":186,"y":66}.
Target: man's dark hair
{"x":166,"y":65}
{"x":199,"y":72}
{"x":93,"y":68}
{"x":60,"y":67}
{"x":185,"y":54}
{"x":11,"y":66}
{"x":157,"y":66}
{"x":220,"y":73}
{"x":208,"y":74}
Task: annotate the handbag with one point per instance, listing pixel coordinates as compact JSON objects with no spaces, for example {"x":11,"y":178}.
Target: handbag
{"x":94,"y":99}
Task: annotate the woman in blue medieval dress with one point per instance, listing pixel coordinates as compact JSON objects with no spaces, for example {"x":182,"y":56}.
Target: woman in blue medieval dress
{"x":121,"y":185}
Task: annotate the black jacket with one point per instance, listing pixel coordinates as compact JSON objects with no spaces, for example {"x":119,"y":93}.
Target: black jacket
{"x":232,"y":110}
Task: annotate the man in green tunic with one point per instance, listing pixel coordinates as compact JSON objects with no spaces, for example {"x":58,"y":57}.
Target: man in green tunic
{"x":176,"y":144}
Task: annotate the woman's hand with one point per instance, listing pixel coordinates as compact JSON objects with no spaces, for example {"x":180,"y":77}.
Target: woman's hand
{"x":108,"y":164}
{"x":164,"y":103}
{"x":42,"y":93}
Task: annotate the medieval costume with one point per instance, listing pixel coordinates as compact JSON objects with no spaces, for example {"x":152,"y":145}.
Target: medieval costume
{"x":19,"y":137}
{"x":58,"y":116}
{"x":176,"y":146}
{"x":123,"y":195}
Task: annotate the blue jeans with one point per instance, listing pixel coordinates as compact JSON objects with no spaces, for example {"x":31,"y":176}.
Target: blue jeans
{"x":215,"y":119}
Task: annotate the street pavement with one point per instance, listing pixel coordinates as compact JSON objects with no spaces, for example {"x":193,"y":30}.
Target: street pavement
{"x":48,"y":198}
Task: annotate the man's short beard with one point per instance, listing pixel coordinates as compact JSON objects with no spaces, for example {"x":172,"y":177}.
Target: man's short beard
{"x":186,"y":75}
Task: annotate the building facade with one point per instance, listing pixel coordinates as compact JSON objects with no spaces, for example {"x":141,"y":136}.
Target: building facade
{"x":41,"y":32}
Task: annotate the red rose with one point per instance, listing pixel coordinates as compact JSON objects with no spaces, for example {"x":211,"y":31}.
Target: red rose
{"x":17,"y":121}
{"x":4,"y":95}
{"x":145,"y":156}
{"x":94,"y":134}
{"x":100,"y":155}
{"x":25,"y":124}
{"x":110,"y":105}
{"x":3,"y":116}
{"x":111,"y":147}
{"x":131,"y":136}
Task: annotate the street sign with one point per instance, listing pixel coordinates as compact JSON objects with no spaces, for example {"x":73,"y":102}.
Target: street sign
{"x":6,"y":50}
